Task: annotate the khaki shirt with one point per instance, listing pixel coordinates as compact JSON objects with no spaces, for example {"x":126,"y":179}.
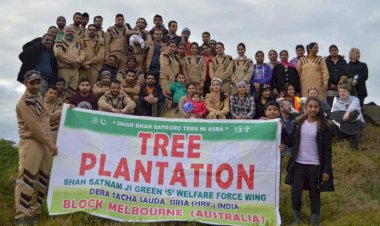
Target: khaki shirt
{"x":66,"y":52}
{"x":221,"y":67}
{"x":94,"y":52}
{"x":33,"y":118}
{"x":121,"y":102}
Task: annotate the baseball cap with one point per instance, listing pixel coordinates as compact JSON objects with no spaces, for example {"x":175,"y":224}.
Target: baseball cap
{"x":32,"y":75}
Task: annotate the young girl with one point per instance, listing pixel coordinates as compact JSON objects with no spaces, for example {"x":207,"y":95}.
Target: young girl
{"x":199,"y":106}
{"x":309,"y":166}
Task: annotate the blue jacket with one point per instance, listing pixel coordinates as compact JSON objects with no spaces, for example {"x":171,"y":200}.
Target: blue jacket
{"x":261,"y":74}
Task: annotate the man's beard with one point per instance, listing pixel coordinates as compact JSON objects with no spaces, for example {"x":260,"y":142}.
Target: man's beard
{"x":69,"y":38}
{"x":84,"y":92}
{"x":151,"y":83}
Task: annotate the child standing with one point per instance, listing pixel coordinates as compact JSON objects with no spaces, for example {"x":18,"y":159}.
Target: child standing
{"x":178,"y":89}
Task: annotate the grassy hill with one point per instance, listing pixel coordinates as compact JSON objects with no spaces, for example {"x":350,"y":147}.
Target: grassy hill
{"x":355,"y":202}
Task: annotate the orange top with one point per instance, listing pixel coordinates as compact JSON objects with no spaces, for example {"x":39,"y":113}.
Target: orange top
{"x":149,"y":89}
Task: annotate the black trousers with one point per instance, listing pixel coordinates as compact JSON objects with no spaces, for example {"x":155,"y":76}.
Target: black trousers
{"x":361,"y":99}
{"x":308,"y":174}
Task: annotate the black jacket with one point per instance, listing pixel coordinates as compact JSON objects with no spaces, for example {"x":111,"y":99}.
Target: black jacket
{"x":335,"y":70}
{"x":358,"y":68}
{"x":324,"y":152}
{"x":260,"y":108}
{"x":144,"y":108}
{"x":283,"y":76}
{"x":31,"y":56}
{"x":32,"y":43}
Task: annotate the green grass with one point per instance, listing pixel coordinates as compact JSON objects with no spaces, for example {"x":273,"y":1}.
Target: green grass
{"x":356,"y":200}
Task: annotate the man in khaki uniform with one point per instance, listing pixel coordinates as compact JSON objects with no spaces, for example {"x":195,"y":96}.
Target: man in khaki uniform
{"x":116,"y":100}
{"x":116,"y":40}
{"x":69,"y":55}
{"x":63,"y":93}
{"x":129,"y":83}
{"x":155,"y":48}
{"x":138,"y":51}
{"x":98,"y":22}
{"x":35,"y":150}
{"x":94,"y":55}
{"x":54,"y":107}
{"x":77,"y":25}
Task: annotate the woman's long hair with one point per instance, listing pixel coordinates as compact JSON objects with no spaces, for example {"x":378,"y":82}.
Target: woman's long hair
{"x":221,"y":92}
{"x":321,"y":116}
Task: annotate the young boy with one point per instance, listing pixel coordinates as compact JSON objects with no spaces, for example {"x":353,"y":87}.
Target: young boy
{"x":178,"y":89}
{"x":54,"y":106}
{"x":272,"y":111}
{"x":199,"y":106}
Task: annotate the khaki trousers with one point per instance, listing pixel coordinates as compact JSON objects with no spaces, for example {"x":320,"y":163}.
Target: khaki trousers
{"x":227,"y":87}
{"x":71,"y":77}
{"x":212,"y":115}
{"x":33,"y":178}
{"x":91,"y":74}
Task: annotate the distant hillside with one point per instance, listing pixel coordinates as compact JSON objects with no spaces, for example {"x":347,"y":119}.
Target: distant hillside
{"x":355,"y":202}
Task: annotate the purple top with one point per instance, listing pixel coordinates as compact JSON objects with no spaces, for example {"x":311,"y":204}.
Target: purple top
{"x":262,"y":74}
{"x":308,"y":150}
{"x":88,"y":102}
{"x":294,"y":61}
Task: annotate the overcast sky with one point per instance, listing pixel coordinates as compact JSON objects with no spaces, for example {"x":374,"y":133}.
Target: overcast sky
{"x":260,"y":24}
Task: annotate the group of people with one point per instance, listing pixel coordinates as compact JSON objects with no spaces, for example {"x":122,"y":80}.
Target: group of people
{"x":131,"y":70}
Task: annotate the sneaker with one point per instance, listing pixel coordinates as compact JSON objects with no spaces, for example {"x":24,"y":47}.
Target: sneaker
{"x":36,"y":220}
{"x":296,"y":218}
{"x":24,"y":221}
{"x":314,"y":219}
